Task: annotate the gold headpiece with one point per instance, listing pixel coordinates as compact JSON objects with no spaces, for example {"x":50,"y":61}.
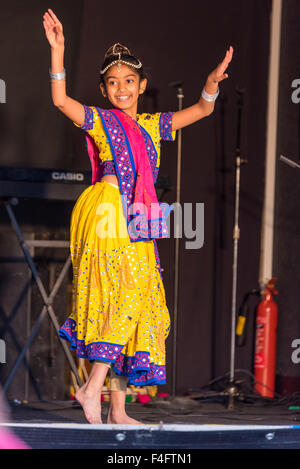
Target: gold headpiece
{"x":119,"y":49}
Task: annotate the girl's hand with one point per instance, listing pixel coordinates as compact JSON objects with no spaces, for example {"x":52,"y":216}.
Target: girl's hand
{"x":218,"y":74}
{"x":53,"y":30}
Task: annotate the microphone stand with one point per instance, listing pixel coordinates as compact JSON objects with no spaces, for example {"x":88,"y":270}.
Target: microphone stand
{"x":232,"y":390}
{"x":180,"y":96}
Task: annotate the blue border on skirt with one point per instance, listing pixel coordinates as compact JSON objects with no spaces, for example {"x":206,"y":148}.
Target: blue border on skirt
{"x":138,"y":369}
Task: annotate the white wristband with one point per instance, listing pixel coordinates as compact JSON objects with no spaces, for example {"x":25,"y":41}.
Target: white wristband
{"x":57,"y":76}
{"x":210,"y":97}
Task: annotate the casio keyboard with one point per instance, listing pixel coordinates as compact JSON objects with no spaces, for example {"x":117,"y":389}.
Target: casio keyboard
{"x":52,"y":184}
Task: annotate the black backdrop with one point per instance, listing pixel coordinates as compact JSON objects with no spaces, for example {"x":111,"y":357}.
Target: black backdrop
{"x":176,"y":41}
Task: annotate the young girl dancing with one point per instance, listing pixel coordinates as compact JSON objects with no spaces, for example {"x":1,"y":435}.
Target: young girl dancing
{"x":119,"y":318}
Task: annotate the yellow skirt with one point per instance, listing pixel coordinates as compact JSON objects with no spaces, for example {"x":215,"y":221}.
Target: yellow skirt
{"x":119,"y":312}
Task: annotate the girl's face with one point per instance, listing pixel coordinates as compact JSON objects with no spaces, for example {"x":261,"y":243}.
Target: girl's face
{"x":123,"y":87}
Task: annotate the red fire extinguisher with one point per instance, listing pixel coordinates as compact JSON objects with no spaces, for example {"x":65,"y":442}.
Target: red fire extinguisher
{"x":265,"y":344}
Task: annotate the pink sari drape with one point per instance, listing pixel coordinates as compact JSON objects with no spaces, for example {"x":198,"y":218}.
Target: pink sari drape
{"x":145,"y":194}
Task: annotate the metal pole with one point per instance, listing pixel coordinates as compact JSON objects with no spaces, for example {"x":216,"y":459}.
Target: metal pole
{"x":232,"y":390}
{"x":180,"y":97}
{"x":267,"y":231}
{"x":236,"y":237}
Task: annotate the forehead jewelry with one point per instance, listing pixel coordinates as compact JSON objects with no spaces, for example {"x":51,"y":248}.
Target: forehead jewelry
{"x":119,"y":61}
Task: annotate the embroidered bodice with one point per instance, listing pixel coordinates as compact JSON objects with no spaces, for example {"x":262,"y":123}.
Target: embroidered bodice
{"x":158,"y":126}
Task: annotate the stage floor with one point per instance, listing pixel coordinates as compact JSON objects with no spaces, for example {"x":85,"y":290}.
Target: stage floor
{"x":181,"y":423}
{"x":179,"y":410}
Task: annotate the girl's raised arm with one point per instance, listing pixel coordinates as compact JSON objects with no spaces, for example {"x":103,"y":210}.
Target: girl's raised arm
{"x":203,"y":107}
{"x":54,"y":33}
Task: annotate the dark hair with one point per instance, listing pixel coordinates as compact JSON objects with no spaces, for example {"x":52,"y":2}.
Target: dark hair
{"x":118,"y":51}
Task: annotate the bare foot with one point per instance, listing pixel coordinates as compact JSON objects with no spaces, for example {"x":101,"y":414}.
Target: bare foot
{"x":121,"y":418}
{"x":91,"y":404}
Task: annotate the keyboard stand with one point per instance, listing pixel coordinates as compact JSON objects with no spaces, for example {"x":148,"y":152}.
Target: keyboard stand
{"x":48,"y":300}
